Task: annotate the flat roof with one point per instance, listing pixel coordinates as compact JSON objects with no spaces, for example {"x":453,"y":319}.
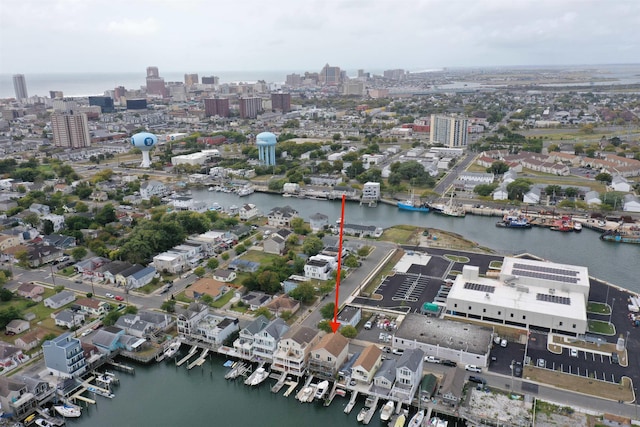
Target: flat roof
{"x":543,"y":274}
{"x":445,"y":333}
{"x":411,"y":258}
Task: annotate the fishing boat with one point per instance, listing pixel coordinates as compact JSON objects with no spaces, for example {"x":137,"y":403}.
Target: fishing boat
{"x":246,"y":190}
{"x":577,"y":226}
{"x":259,"y":376}
{"x":514,"y":221}
{"x":411,"y":205}
{"x":100,"y":392}
{"x":437,"y":422}
{"x":172,"y":349}
{"x":321,"y":389}
{"x":450,"y":209}
{"x":305,"y":393}
{"x":630,"y":236}
{"x":68,"y":411}
{"x":416,"y":420}
{"x":362,"y":414}
{"x":400,"y":421}
{"x":387,"y":410}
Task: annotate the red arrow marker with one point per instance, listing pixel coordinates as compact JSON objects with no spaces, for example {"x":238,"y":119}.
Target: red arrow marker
{"x":334,"y":323}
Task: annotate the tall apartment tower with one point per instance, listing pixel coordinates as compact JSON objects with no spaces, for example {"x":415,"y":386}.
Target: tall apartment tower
{"x":281,"y":101}
{"x":449,"y":131}
{"x":153,"y":72}
{"x":190,"y":79}
{"x":293,"y":80}
{"x":330,"y":75}
{"x":210,"y":80}
{"x":155,"y":83}
{"x":70,"y":130}
{"x":250,"y":107}
{"x":216,"y":107}
{"x":20,"y":86}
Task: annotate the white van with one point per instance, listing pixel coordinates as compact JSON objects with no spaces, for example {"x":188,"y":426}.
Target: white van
{"x":473,"y":368}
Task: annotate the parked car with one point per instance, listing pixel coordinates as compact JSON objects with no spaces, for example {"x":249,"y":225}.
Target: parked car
{"x":472,"y":368}
{"x":615,"y":359}
{"x":397,"y":351}
{"x":449,"y":363}
{"x":108,"y":295}
{"x":432,"y":359}
{"x":574,"y":352}
{"x":517,"y":370}
{"x":386,"y":349}
{"x":119,"y":298}
{"x":368,"y":325}
{"x":542,"y":363}
{"x":503,"y":343}
{"x":475,"y":379}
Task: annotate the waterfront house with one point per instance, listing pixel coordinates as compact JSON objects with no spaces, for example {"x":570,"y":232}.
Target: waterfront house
{"x":501,"y":192}
{"x":41,"y":389}
{"x":428,"y":387}
{"x":293,"y":351}
{"x":143,"y":323}
{"x":255,"y":299}
{"x":532,"y":197}
{"x":92,"y":306}
{"x":385,"y":376}
{"x":196,"y":324}
{"x":15,"y":398}
{"x":451,"y":390}
{"x":318,"y":221}
{"x":328,"y":355}
{"x":106,"y":339}
{"x":69,"y":318}
{"x":224,"y":275}
{"x":243,"y":345}
{"x":363,"y":230}
{"x":631,"y":203}
{"x":60,"y":299}
{"x":152,"y":188}
{"x":248,"y":211}
{"x":29,"y":340}
{"x":281,"y":216}
{"x":206,"y":286}
{"x":350,"y":315}
{"x":17,"y":326}
{"x":592,"y":198}
{"x":63,"y":356}
{"x":408,"y":374}
{"x":370,"y":192}
{"x":283,"y":303}
{"x":367,"y":364}
{"x":266,"y":341}
{"x":276,"y":243}
{"x":30,"y":291}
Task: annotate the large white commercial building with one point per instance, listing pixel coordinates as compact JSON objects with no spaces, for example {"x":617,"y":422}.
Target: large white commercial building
{"x":526,"y":294}
{"x":449,"y":131}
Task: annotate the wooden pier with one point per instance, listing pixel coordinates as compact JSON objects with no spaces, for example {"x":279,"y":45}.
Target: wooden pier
{"x":371,"y":411}
{"x":240,"y":369}
{"x":121,"y":367}
{"x":332,"y":394}
{"x":200,"y":360}
{"x":192,"y":352}
{"x":278,"y":385}
{"x":352,"y":402}
{"x":292,"y":386}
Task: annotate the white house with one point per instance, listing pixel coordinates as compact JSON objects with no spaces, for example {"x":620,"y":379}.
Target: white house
{"x":281,"y":216}
{"x":248,"y":211}
{"x":592,"y":198}
{"x":319,"y":267}
{"x":152,"y":188}
{"x":293,"y":351}
{"x":60,"y":299}
{"x":266,"y":341}
{"x":56,"y":220}
{"x":501,"y":193}
{"x":631,"y":203}
{"x":620,"y":183}
{"x":69,"y":319}
{"x":408,"y":374}
{"x":371,"y":192}
{"x":318,"y":221}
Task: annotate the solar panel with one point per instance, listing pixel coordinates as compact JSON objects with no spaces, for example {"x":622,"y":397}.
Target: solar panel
{"x":545,"y":276}
{"x":553,"y":298}
{"x":542,"y":269}
{"x":479,"y":287}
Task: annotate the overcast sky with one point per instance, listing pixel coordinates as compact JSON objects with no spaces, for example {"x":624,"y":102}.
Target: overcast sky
{"x":39,"y":36}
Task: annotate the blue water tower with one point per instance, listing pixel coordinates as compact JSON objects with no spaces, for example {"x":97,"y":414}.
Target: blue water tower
{"x":266,"y":142}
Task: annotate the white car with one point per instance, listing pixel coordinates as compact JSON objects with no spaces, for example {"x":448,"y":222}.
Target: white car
{"x":85,"y":333}
{"x":431,"y":359}
{"x":368,"y":325}
{"x":503,"y":343}
{"x":574,"y":352}
{"x":473,"y":368}
{"x":397,"y":351}
{"x":108,"y":295}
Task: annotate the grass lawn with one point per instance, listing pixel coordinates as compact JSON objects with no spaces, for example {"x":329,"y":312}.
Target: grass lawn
{"x":223,"y":300}
{"x":149,"y":287}
{"x":584,"y":385}
{"x":495,"y":265}
{"x":598,"y":308}
{"x":455,"y":258}
{"x":257,"y":256}
{"x":602,"y":328}
{"x":67,"y":271}
{"x":401,"y":234}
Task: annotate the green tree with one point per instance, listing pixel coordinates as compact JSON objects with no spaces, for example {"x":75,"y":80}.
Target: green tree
{"x":571,"y":192}
{"x":553,"y":190}
{"x":78,"y":253}
{"x":351,"y":261}
{"x":169,"y":306}
{"x":206,"y":299}
{"x":498,"y":167}
{"x":47,"y":227}
{"x":111,"y":318}
{"x":131,"y":309}
{"x":484,"y":189}
{"x":324,"y":325}
{"x":199,"y":271}
{"x":304,"y":292}
{"x":518,"y":188}
{"x":286,"y":315}
{"x":32,"y":219}
{"x":264,"y":311}
{"x":604,"y":177}
{"x":349,"y":331}
{"x":299,"y":226}
{"x":213,"y":263}
{"x":58,"y":288}
{"x":312,"y":246}
{"x":5,"y":295}
{"x":327,"y":310}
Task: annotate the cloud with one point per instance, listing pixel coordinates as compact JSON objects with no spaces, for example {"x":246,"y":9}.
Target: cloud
{"x":128,"y":27}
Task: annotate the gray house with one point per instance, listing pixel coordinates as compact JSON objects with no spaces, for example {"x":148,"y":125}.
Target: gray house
{"x":385,"y":376}
{"x":63,"y":356}
{"x":452,"y":385}
{"x":408,"y":374}
{"x":60,"y":299}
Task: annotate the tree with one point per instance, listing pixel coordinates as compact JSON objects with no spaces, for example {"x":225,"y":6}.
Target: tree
{"x":169,"y":306}
{"x":552,"y":190}
{"x":206,"y":299}
{"x":327,"y":310}
{"x":5,"y":295}
{"x":199,"y":271}
{"x":131,"y":309}
{"x":264,"y":311}
{"x":604,"y":177}
{"x":32,"y":219}
{"x":571,"y":192}
{"x":299,"y":227}
{"x":304,"y":292}
{"x":348,"y":331}
{"x":286,"y":315}
{"x":498,"y":168}
{"x":351,"y":261}
{"x":324,"y":325}
{"x":111,"y":318}
{"x":312,"y":246}
{"x":588,"y":129}
{"x":58,"y":288}
{"x":213,"y":263}
{"x":47,"y":227}
{"x":518,"y":188}
{"x":78,"y":253}
{"x":484,"y":189}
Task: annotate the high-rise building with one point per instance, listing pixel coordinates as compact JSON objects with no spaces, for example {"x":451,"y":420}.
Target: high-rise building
{"x":190,"y":79}
{"x":153,"y":72}
{"x":118,"y":93}
{"x":330,"y":75}
{"x":281,"y":101}
{"x":104,"y":102}
{"x":20,"y":86}
{"x":70,"y":130}
{"x":450,"y":131}
{"x":397,"y":74}
{"x":63,"y":356}
{"x":250,"y":107}
{"x":155,"y":83}
{"x":210,"y":80}
{"x":56,"y":94}
{"x":293,"y":80}
{"x":216,"y":107}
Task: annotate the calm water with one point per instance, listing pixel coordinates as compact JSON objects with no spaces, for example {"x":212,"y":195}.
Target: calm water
{"x":163,"y":395}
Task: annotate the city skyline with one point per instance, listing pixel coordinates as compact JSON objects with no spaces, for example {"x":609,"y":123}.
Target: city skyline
{"x":377,"y":34}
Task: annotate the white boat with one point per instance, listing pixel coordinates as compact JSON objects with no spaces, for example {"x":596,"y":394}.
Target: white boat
{"x":212,"y":189}
{"x":43,"y":423}
{"x":416,"y":420}
{"x":400,"y":421}
{"x":172,"y":349}
{"x":321,"y":389}
{"x":577,"y":226}
{"x":100,"y":392}
{"x":387,"y":410}
{"x":260,"y":375}
{"x":305,"y":393}
{"x":245,"y":191}
{"x":68,"y":411}
{"x":437,"y":422}
{"x":362,"y":414}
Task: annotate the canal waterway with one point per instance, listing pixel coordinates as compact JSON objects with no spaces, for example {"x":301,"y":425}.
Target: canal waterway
{"x":163,"y":395}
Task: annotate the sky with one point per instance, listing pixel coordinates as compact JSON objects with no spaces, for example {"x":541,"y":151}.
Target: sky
{"x":38,"y":36}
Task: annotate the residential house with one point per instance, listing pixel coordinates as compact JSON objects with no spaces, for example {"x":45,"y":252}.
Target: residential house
{"x":408,"y":374}
{"x":320,"y":267}
{"x":293,"y":351}
{"x":15,"y":398}
{"x":17,"y":326}
{"x":363,"y":230}
{"x":56,"y":220}
{"x":106,"y":339}
{"x":451,"y":390}
{"x":428,"y":387}
{"x":620,"y":183}
{"x":592,"y":198}
{"x":255,"y":299}
{"x":60,"y":299}
{"x":318,"y":221}
{"x":89,"y":267}
{"x":170,"y":262}
{"x":10,"y":355}
{"x":501,"y":193}
{"x":196,"y":324}
{"x":248,"y":211}
{"x":282,"y":216}
{"x":206,"y":286}
{"x":367,"y":364}
{"x":224,"y":275}
{"x":39,"y":209}
{"x":244,"y":265}
{"x":63,"y":356}
{"x":276,"y":243}
{"x":59,"y":241}
{"x":41,"y":389}
{"x":29,"y":340}
{"x":266,"y":341}
{"x":152,"y":188}
{"x":350,"y":315}
{"x":31,"y":291}
{"x":122,"y":278}
{"x":92,"y":306}
{"x":370,"y":192}
{"x":386,"y":375}
{"x":328,"y":355}
{"x":8,"y":241}
{"x":143,"y":323}
{"x":140,"y":278}
{"x":109,"y":271}
{"x":293,"y":282}
{"x":631,"y":203}
{"x":282,"y":303}
{"x":243,"y":345}
{"x":69,"y":318}
{"x":533,"y":196}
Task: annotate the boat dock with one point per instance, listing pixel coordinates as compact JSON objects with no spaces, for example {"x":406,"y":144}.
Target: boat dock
{"x":240,"y":368}
{"x":278,"y":385}
{"x":120,"y":367}
{"x":46,"y":415}
{"x":200,"y":360}
{"x":292,"y":386}
{"x":352,"y":402}
{"x":371,"y":411}
{"x":192,"y":352}
{"x":332,"y":394}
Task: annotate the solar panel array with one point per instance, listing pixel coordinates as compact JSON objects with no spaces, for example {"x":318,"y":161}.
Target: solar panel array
{"x":553,"y":298}
{"x":541,"y":269}
{"x":545,"y":276}
{"x":479,"y":287}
